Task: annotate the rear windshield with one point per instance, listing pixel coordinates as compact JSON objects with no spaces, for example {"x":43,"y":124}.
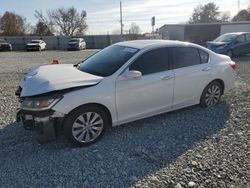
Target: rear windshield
{"x":74,"y":40}
{"x":34,"y":41}
{"x":107,"y":61}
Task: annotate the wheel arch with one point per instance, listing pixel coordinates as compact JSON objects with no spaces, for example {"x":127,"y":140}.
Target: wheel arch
{"x":220,"y":81}
{"x":98,"y":105}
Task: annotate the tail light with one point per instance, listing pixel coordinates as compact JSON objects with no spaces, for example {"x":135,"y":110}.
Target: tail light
{"x":233,"y":65}
{"x":54,"y":62}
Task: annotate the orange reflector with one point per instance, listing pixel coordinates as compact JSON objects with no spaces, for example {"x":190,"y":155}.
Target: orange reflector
{"x":54,"y":62}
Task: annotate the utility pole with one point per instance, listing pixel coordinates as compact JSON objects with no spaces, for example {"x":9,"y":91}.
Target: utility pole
{"x":238,"y":5}
{"x":121,"y":18}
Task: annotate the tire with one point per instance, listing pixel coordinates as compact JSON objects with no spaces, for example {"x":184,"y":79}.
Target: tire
{"x":78,"y":128}
{"x":230,"y":53}
{"x":211,"y":94}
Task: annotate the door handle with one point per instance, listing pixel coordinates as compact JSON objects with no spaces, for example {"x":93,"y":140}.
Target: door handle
{"x":207,"y":69}
{"x":166,"y":77}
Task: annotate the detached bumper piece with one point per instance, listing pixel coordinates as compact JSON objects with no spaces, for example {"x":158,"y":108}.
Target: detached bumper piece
{"x":43,"y":122}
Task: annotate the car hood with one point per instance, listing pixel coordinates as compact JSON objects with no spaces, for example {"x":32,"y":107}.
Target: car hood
{"x":50,"y":78}
{"x":4,"y":43}
{"x":216,"y":44}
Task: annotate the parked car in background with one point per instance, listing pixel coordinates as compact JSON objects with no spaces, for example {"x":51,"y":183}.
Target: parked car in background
{"x":76,"y":44}
{"x":231,"y":44}
{"x":37,"y":45}
{"x":5,"y":46}
{"x":124,"y":82}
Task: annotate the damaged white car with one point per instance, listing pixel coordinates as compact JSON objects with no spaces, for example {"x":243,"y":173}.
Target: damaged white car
{"x":122,"y":83}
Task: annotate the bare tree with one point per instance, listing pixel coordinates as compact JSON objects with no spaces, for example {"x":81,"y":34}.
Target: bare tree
{"x":224,"y":17}
{"x":46,"y":22}
{"x":69,"y":21}
{"x":12,"y":24}
{"x":42,"y":29}
{"x":134,"y":29}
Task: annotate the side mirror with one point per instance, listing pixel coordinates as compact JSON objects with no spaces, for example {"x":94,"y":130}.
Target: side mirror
{"x":133,"y":75}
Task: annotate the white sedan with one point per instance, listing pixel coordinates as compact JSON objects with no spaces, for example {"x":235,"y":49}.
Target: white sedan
{"x":38,"y":45}
{"x":124,"y":82}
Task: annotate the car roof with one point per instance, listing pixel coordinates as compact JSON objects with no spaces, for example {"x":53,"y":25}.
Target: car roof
{"x":141,"y":44}
{"x":37,"y":40}
{"x":76,"y":38}
{"x":235,"y":33}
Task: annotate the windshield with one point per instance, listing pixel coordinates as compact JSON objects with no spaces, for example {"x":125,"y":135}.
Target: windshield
{"x":2,"y":41}
{"x":226,"y":38}
{"x":74,"y":40}
{"x":35,"y":41}
{"x":107,"y":61}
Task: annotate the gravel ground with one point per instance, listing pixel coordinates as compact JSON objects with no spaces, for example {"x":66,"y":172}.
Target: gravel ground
{"x":192,"y":147}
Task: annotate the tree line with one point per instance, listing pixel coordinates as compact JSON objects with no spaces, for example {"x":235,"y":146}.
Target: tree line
{"x":61,"y":21}
{"x":70,"y":22}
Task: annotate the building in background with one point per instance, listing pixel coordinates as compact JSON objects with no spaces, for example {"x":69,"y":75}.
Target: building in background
{"x":202,"y":32}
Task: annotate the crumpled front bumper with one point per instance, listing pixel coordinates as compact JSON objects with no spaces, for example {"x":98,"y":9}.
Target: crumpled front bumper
{"x":48,"y":122}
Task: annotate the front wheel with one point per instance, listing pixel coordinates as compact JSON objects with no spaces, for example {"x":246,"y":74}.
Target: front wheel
{"x":211,"y":94}
{"x":85,"y":125}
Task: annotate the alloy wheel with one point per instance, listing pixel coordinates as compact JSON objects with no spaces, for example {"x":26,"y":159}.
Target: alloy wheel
{"x":212,"y":96}
{"x":87,"y":127}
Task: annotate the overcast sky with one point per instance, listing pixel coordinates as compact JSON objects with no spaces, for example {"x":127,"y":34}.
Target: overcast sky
{"x":103,"y":15}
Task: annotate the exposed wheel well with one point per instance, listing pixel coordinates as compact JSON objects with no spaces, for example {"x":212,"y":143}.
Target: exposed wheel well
{"x":98,"y":106}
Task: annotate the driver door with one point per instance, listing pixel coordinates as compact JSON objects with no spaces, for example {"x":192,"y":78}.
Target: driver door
{"x":151,"y":93}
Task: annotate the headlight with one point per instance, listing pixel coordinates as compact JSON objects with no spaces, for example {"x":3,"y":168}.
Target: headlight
{"x":38,"y":104}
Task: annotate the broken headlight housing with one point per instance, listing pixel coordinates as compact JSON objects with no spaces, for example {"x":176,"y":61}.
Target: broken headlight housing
{"x":39,"y":103}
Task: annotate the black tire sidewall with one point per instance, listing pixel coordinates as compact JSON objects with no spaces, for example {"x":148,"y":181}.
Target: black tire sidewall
{"x":71,"y":117}
{"x":203,"y":96}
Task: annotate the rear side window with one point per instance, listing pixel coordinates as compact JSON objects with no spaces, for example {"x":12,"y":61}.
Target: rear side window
{"x":203,"y":56}
{"x":185,"y":56}
{"x":151,"y":62}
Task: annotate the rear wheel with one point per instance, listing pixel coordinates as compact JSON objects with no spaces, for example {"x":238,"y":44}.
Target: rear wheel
{"x":211,"y":94}
{"x":85,"y":125}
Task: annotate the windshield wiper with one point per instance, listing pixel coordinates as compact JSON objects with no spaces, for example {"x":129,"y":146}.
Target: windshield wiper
{"x":77,"y":64}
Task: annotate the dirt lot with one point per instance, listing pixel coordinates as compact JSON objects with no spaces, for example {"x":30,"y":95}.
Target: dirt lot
{"x":193,"y":147}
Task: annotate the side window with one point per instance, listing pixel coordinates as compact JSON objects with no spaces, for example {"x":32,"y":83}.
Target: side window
{"x":240,"y":39}
{"x":203,"y":56}
{"x":185,"y":56}
{"x":151,"y":62}
{"x":248,"y":37}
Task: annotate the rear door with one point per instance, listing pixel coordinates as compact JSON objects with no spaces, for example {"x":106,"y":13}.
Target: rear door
{"x":192,"y":70}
